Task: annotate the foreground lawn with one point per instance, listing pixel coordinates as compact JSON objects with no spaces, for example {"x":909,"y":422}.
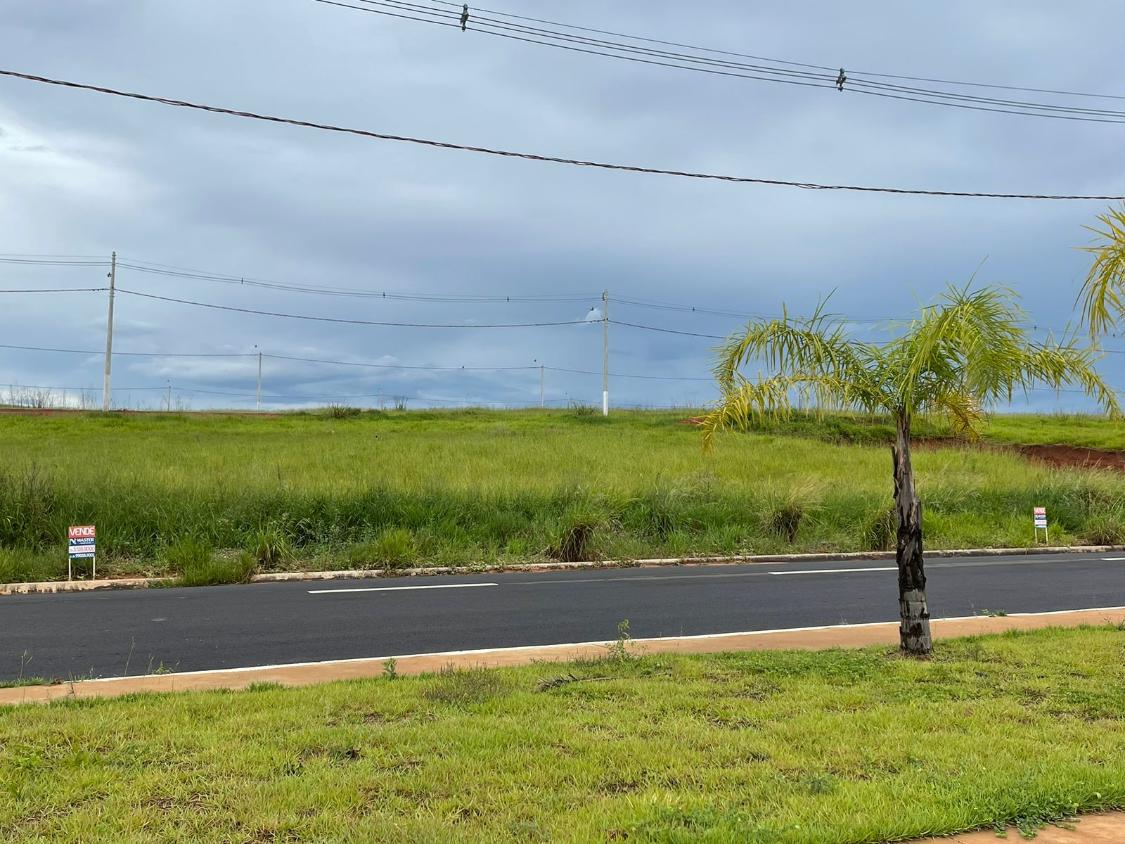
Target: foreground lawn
{"x":397,"y":489}
{"x":839,"y":746}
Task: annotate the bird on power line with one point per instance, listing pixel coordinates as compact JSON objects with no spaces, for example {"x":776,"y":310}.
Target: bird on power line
{"x":464,"y":17}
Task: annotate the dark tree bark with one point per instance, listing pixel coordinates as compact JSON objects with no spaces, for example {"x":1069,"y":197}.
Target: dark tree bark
{"x":914,"y":612}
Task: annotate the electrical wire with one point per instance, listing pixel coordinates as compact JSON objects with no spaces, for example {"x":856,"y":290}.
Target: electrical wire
{"x":548,"y":158}
{"x":489,"y":26}
{"x":56,"y":290}
{"x":246,"y":281}
{"x":131,"y":354}
{"x":50,"y":261}
{"x":400,"y":366}
{"x":830,"y":69}
{"x":345,"y":321}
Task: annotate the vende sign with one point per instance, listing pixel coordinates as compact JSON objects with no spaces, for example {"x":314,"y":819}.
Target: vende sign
{"x":82,"y":542}
{"x":1039,"y":514}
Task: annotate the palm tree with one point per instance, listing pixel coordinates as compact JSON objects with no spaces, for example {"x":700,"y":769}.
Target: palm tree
{"x":1103,"y":294}
{"x":954,"y":360}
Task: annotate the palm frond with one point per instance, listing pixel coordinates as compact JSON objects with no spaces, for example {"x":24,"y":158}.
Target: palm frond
{"x":746,"y":403}
{"x":815,"y":344}
{"x":749,"y":402}
{"x":1060,"y":365}
{"x":961,"y":409}
{"x":1103,"y":294}
{"x":969,"y":341}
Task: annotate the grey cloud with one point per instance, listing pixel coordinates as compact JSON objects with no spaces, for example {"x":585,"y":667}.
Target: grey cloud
{"x":251,"y":199}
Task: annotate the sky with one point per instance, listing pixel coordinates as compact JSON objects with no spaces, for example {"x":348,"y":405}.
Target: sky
{"x":86,"y":174}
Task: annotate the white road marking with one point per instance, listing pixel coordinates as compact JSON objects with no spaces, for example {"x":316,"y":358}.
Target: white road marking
{"x":401,"y":588}
{"x":835,"y":571}
{"x":1113,"y":559}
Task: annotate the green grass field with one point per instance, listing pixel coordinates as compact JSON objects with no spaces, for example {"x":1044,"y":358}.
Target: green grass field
{"x":837,"y":747}
{"x":197,"y":493}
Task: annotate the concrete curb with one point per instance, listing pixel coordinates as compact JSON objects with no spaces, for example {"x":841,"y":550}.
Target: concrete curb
{"x":54,"y":586}
{"x":1106,"y":828}
{"x":309,"y":673}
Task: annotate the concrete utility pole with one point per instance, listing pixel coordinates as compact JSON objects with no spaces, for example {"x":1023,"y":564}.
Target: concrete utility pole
{"x":258,"y":400}
{"x":542,"y":403}
{"x":605,"y":353}
{"x":109,"y":332}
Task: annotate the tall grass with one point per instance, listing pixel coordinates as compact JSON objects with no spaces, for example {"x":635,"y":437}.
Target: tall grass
{"x":392,"y":489}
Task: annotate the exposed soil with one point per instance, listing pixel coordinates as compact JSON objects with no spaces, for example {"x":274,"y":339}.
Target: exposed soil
{"x":1062,"y":456}
{"x":1069,"y":455}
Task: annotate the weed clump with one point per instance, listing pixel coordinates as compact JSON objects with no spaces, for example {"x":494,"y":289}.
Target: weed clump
{"x":465,"y":686}
{"x":785,"y":512}
{"x":270,"y":546}
{"x":394,"y":548}
{"x":197,"y":564}
{"x":880,"y":531}
{"x":577,"y":529}
{"x":1105,"y":528}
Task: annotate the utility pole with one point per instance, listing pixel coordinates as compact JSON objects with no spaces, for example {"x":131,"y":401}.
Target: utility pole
{"x":258,"y":401}
{"x":542,"y":403}
{"x":109,"y":333}
{"x":169,"y":400}
{"x":605,"y":353}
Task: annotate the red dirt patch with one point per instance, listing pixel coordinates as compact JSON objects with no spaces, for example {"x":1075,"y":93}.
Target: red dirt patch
{"x":1070,"y":456}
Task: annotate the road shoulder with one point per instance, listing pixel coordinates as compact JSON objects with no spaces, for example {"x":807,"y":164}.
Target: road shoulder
{"x":303,"y":674}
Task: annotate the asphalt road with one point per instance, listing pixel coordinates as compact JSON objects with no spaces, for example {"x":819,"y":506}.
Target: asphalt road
{"x":113,"y":633}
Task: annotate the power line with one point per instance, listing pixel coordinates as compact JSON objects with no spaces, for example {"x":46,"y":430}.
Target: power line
{"x":830,"y":69}
{"x":360,"y":364}
{"x":346,"y":321}
{"x":724,"y":337}
{"x":872,"y":321}
{"x":246,"y":281}
{"x":401,"y":366}
{"x":826,"y":79}
{"x":489,"y":26}
{"x":667,"y":330}
{"x":548,"y":158}
{"x":131,"y":354}
{"x":57,"y":290}
{"x":51,"y":261}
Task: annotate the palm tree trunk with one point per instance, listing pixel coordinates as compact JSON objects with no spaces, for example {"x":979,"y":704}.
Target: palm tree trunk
{"x":914,"y":612}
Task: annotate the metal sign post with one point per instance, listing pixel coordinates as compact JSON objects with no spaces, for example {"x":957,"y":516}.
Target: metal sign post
{"x":82,"y":546}
{"x":1040,"y":514}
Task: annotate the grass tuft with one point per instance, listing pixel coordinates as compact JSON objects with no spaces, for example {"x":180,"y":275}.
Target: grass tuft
{"x":196,"y":564}
{"x":394,"y":548}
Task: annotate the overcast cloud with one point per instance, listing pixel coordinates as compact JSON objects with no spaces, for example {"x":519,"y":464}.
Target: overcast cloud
{"x":86,"y":174}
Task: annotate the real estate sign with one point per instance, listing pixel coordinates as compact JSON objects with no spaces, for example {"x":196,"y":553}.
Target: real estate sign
{"x":82,"y":545}
{"x":1040,"y":516}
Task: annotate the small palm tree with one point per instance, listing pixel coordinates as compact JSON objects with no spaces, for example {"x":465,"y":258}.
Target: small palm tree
{"x":956,"y":359}
{"x":1103,"y":294}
